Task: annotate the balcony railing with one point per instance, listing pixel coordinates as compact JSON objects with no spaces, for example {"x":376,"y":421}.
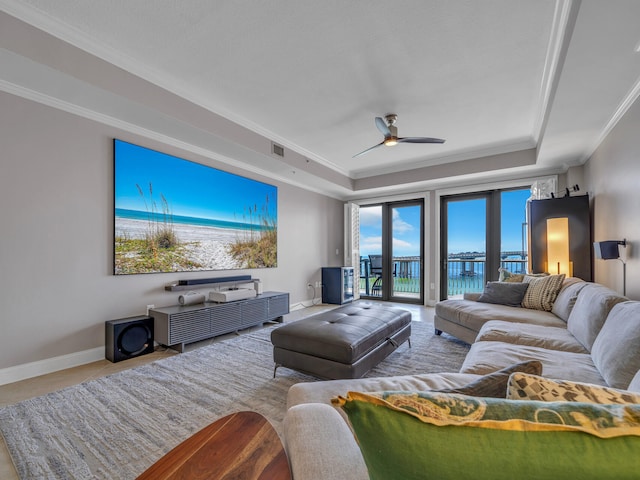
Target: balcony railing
{"x":406,"y":277}
{"x":469,"y":275}
{"x":464,"y":275}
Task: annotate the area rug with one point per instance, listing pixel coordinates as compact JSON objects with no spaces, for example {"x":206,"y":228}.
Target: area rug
{"x":117,"y":426}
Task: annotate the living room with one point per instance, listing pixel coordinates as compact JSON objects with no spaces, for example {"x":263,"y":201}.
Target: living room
{"x":62,"y":106}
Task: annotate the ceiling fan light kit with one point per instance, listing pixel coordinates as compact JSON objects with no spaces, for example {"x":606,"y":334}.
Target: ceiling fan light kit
{"x":390,"y":131}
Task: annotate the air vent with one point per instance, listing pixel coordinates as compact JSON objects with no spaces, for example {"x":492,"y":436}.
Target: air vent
{"x":277,"y":149}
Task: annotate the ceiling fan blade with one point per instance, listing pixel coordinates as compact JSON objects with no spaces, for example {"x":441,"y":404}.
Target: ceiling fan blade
{"x":383,"y":127}
{"x":367,"y":150}
{"x":420,"y":140}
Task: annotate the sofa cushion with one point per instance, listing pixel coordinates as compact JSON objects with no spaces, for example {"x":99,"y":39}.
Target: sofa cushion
{"x":471,"y":296}
{"x":542,"y":291}
{"x":473,"y":315}
{"x":320,"y":444}
{"x":567,"y":297}
{"x":524,"y":386}
{"x":446,"y":436}
{"x":616,"y":350}
{"x":592,"y":306}
{"x":486,"y":357}
{"x":552,"y":338}
{"x":495,"y":384}
{"x":634,"y":386}
{"x":323,"y":392}
{"x":503,"y":293}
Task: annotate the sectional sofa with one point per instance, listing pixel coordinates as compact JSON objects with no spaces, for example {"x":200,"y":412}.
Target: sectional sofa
{"x":587,"y":333}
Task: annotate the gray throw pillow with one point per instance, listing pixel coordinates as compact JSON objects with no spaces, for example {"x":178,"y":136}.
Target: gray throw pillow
{"x":495,"y":384}
{"x":504,"y":293}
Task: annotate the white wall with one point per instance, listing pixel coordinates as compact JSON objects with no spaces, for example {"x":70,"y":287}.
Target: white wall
{"x":612,"y":176}
{"x":56,"y":213}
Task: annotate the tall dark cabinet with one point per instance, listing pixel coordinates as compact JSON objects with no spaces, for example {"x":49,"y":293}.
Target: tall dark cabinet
{"x":577,"y":210}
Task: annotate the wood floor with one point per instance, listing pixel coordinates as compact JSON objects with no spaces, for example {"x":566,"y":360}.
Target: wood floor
{"x":37,"y":386}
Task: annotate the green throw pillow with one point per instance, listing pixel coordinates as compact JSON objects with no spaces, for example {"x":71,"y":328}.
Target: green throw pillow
{"x":431,"y":435}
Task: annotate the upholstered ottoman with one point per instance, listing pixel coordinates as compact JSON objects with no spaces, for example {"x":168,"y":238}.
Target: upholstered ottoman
{"x":345,"y":342}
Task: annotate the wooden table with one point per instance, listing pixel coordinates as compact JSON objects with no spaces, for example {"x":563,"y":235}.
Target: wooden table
{"x":242,"y":445}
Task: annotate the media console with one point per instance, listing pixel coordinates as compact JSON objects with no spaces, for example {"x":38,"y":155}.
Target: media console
{"x":179,"y":325}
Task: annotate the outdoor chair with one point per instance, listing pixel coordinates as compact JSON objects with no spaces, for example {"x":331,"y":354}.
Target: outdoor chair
{"x":375,"y":267}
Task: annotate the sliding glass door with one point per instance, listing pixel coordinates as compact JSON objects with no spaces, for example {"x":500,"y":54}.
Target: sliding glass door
{"x":480,"y":233}
{"x":406,"y":252}
{"x":463,"y":244}
{"x":391,"y":251}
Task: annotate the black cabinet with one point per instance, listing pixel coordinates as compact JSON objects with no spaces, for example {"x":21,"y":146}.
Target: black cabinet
{"x":337,"y":285}
{"x":577,"y":210}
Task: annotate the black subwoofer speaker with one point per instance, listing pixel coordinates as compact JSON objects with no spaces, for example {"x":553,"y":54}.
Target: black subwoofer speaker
{"x":128,"y":338}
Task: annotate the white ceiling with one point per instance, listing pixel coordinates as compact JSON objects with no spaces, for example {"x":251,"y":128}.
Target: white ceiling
{"x":544,"y":78}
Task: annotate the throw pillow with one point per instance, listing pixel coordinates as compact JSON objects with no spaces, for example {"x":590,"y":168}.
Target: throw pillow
{"x":616,"y":350}
{"x":507,"y":276}
{"x":495,"y":384}
{"x":446,"y":436}
{"x":523,"y":386}
{"x":502,"y":293}
{"x":515,"y":278}
{"x":503,"y":274}
{"x":592,"y":307}
{"x":567,"y":297}
{"x":542,"y":291}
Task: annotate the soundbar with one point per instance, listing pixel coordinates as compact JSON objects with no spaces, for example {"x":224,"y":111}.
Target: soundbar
{"x":200,"y":281}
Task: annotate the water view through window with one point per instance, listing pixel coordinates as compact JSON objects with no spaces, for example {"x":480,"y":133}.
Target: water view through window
{"x":469,"y":245}
{"x":468,"y":221}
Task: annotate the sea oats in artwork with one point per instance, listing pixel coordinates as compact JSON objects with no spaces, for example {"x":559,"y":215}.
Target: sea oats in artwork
{"x":174,"y":215}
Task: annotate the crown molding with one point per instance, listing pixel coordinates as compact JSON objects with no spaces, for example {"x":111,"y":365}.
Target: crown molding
{"x":626,"y":103}
{"x":565,"y":15}
{"x":83,"y":41}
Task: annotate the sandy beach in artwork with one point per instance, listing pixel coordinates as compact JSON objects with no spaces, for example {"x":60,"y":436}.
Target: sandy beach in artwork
{"x":207,"y":246}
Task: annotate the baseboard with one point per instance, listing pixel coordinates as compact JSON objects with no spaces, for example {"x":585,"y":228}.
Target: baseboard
{"x":305,"y":304}
{"x":50,"y":365}
{"x":55,"y":364}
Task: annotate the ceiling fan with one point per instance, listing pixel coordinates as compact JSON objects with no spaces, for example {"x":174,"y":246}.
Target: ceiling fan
{"x":390,"y":132}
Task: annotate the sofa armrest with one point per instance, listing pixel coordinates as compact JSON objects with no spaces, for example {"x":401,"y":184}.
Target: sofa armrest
{"x":471,"y":296}
{"x":320,"y":444}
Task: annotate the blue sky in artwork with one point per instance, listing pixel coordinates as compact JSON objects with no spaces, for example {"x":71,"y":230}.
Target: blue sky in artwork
{"x":191,"y":189}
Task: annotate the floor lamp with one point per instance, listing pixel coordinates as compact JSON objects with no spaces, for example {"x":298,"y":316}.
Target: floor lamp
{"x":610,"y":250}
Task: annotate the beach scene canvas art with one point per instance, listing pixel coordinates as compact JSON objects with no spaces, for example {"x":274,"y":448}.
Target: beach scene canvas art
{"x":174,"y":215}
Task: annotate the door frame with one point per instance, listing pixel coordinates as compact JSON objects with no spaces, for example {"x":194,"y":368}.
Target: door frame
{"x":387,"y":250}
{"x":492,"y":235}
